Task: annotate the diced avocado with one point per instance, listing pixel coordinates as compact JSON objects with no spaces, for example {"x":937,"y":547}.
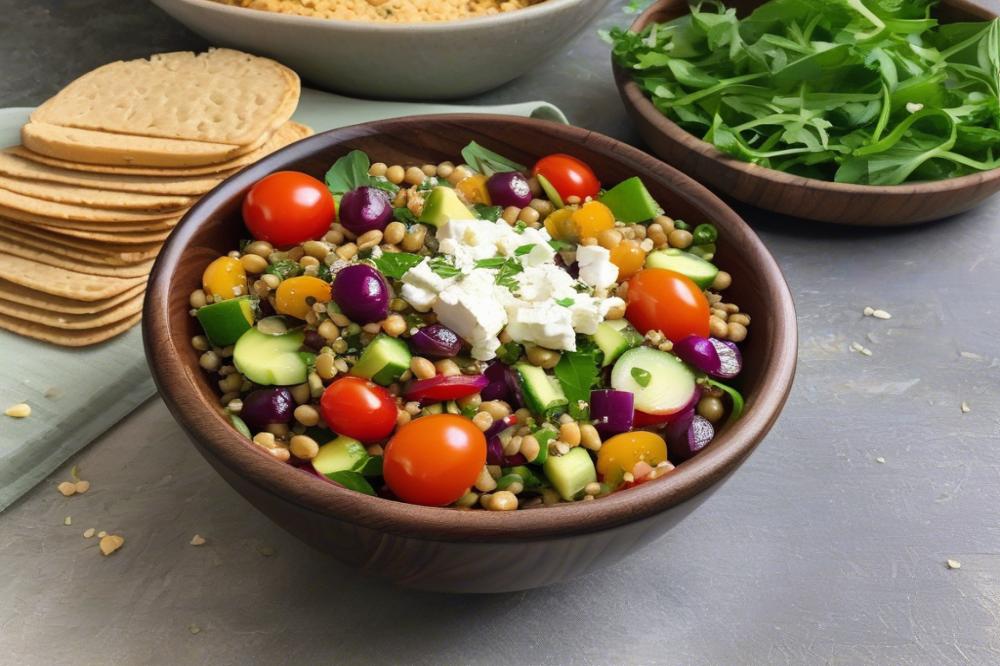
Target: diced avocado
{"x":631,"y":202}
{"x":701,"y":272}
{"x":341,"y":455}
{"x":443,"y":204}
{"x":383,"y":361}
{"x":541,"y":392}
{"x":271,"y":360}
{"x":570,"y":473}
{"x":614,"y":339}
{"x":706,"y":252}
{"x":224,"y":322}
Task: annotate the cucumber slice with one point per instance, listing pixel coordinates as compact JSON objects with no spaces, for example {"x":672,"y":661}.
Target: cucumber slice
{"x":614,"y":338}
{"x":541,"y":391}
{"x":341,"y":455}
{"x":271,"y":360}
{"x":631,"y":202}
{"x":545,"y":436}
{"x":224,"y":322}
{"x":570,"y":473}
{"x":701,"y":272}
{"x":383,"y":361}
{"x":669,"y":382}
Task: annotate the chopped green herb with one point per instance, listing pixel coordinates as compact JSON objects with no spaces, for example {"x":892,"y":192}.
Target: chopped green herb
{"x":507,"y":275}
{"x":641,"y":377}
{"x":484,"y":212}
{"x":520,"y":226}
{"x":404,"y":215}
{"x":442,"y":266}
{"x":395,"y":264}
{"x":565,"y":302}
{"x":559,"y":245}
{"x":524,"y":249}
{"x":510,"y":353}
{"x":284,"y":269}
{"x":577,"y":372}
{"x":493,"y":262}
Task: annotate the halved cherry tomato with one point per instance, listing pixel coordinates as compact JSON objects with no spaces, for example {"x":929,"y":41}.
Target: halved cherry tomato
{"x":357,"y":408}
{"x":574,"y":224}
{"x":568,"y":175}
{"x":620,"y":454}
{"x":288,"y":207}
{"x":446,"y":388}
{"x":290,"y":296}
{"x":666,"y":301}
{"x":434,"y":459}
{"x":629,"y":257}
{"x":474,"y":189}
{"x":224,"y":278}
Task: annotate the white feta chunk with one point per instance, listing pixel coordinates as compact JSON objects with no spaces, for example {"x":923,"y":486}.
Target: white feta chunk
{"x":421,"y":286}
{"x":471,"y":309}
{"x":544,"y":282}
{"x":595,"y":266}
{"x":545,"y":324}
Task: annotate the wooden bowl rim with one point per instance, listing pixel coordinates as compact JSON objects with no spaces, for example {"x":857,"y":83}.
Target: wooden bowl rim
{"x":218,"y":438}
{"x":633,"y":95}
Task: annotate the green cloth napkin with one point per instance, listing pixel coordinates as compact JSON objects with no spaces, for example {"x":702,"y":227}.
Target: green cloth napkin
{"x":77,"y":394}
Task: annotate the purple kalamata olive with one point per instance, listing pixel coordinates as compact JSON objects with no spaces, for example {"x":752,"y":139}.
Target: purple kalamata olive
{"x":436,"y":341}
{"x":365,"y":209}
{"x":362,"y":293}
{"x":509,"y":189}
{"x":267,"y":406}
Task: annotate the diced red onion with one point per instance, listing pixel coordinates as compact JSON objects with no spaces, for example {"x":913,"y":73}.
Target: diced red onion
{"x":699,"y":352}
{"x":443,"y":387}
{"x":611,"y":411}
{"x":688,"y":435}
{"x":499,"y":386}
{"x":731,"y":360}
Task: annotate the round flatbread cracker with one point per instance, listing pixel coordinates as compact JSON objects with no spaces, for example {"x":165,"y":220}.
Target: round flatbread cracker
{"x":65,"y":338}
{"x":72,"y":322}
{"x":93,"y":198}
{"x":33,"y":207}
{"x":48,"y":258}
{"x":78,"y":248}
{"x":119,"y":238}
{"x":62,"y":282}
{"x":18,"y":294}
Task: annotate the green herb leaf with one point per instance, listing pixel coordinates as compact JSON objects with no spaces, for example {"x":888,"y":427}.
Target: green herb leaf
{"x":565,"y":302}
{"x":493,"y":262}
{"x":734,"y":396}
{"x":442,"y":266}
{"x":510,"y":353}
{"x":395,"y":264}
{"x":507,"y":275}
{"x":524,"y":249}
{"x":351,"y":172}
{"x":641,"y":377}
{"x":577,"y":373}
{"x":484,"y":212}
{"x":559,"y":245}
{"x":284,"y":269}
{"x":352,"y":481}
{"x":404,"y":215}
{"x":486,"y":161}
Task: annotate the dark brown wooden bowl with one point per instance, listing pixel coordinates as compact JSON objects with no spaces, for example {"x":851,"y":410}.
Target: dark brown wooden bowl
{"x":447,"y":549}
{"x":809,"y":198}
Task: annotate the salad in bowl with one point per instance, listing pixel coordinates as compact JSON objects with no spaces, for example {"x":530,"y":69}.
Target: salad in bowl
{"x":479,"y":334}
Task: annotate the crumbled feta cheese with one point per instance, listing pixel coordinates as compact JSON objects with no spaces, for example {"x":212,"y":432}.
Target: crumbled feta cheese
{"x":470,"y":308}
{"x":548,"y":281}
{"x":421,"y":286}
{"x":541,"y":253}
{"x":545,"y":324}
{"x":595,"y":265}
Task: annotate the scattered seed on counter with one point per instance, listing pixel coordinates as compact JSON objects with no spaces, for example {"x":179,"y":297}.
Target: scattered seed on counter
{"x":194,"y":628}
{"x":881,"y":314}
{"x":67,"y":488}
{"x":965,"y":407}
{"x":860,"y":348}
{"x":82,"y":486}
{"x":89,"y":533}
{"x":197,"y":540}
{"x":110,"y":543}
{"x":880,"y":460}
{"x":953,"y":564}
{"x":21,"y":410}
{"x":102,"y":534}
{"x":869,"y":311}
{"x":68,"y":520}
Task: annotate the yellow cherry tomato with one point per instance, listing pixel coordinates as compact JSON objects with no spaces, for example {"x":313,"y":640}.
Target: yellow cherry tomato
{"x":592,"y":218}
{"x":296,"y":295}
{"x":560,"y":225}
{"x":620,"y":454}
{"x":224,"y":278}
{"x":474,"y":189}
{"x":629,"y":257}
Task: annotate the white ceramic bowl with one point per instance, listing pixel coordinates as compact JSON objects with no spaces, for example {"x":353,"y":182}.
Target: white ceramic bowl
{"x":443,"y":60}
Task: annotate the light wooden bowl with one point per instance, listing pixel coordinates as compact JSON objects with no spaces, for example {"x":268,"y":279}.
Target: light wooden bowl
{"x":447,"y":549}
{"x":812,"y":199}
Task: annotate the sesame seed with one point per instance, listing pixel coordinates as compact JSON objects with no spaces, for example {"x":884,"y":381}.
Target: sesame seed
{"x":881,"y":314}
{"x":954,"y":564}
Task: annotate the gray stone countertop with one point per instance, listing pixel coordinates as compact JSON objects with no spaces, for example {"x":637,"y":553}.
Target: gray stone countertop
{"x":828,"y":546}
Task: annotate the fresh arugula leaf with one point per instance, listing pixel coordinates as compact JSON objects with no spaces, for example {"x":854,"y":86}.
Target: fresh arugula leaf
{"x":827,"y":89}
{"x":486,"y":161}
{"x":577,"y":372}
{"x":395,"y":264}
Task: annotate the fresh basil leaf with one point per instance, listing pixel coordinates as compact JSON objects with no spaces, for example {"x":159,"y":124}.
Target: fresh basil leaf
{"x":369,"y":466}
{"x":484,"y":212}
{"x":395,"y":264}
{"x":352,"y":481}
{"x":351,"y":172}
{"x":486,"y":161}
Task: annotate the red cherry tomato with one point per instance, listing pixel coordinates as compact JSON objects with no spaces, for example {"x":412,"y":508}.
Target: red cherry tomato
{"x":666,"y":301}
{"x":434,"y":459}
{"x":287,"y":208}
{"x":568,"y":175}
{"x":357,"y":408}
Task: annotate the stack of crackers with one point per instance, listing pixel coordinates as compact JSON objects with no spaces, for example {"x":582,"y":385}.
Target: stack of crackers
{"x":108,"y":167}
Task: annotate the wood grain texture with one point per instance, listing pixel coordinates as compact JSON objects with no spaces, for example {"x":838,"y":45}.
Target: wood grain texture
{"x":813,"y":199}
{"x":356,"y":527}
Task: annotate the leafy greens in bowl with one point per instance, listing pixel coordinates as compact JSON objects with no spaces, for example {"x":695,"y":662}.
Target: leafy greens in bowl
{"x":870,"y":92}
